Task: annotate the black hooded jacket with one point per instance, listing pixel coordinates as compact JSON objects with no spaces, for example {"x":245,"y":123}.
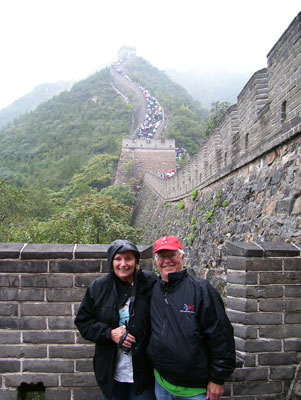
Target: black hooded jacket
{"x":98,"y":314}
{"x":192,"y":339}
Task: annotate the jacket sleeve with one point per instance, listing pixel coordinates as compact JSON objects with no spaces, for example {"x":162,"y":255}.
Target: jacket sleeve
{"x":218,"y":333}
{"x":88,"y":325}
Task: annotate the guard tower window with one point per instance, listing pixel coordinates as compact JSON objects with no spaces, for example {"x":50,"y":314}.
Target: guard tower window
{"x":31,"y":391}
{"x":283,"y":110}
{"x":247,"y":141}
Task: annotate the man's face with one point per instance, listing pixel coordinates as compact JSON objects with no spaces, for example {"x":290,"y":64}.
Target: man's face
{"x":169,"y":261}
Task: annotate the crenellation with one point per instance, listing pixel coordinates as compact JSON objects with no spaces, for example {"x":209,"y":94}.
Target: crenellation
{"x":266,"y":115}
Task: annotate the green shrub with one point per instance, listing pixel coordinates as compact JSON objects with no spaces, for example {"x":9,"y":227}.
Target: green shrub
{"x":180,"y":205}
{"x":225,"y":203}
{"x":194,"y":194}
{"x":208,"y":215}
{"x":191,"y":238}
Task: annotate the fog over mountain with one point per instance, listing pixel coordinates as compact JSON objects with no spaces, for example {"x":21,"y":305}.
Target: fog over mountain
{"x":31,"y":100}
{"x":208,"y":86}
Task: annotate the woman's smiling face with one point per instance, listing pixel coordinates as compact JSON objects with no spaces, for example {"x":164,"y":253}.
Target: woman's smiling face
{"x":124,"y":265}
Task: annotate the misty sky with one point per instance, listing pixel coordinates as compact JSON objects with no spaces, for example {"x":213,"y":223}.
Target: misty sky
{"x":51,"y":40}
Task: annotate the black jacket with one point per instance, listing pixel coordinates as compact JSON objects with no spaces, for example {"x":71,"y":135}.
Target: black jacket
{"x":192,"y":339}
{"x":98,"y":314}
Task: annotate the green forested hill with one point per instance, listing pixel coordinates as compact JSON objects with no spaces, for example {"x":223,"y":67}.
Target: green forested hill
{"x":57,"y":162}
{"x":49,"y":145}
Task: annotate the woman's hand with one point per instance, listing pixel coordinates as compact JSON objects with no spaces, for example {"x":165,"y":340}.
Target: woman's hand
{"x":116,"y":335}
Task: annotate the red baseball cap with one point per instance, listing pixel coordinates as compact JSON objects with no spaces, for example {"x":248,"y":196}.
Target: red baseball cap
{"x":167,"y":243}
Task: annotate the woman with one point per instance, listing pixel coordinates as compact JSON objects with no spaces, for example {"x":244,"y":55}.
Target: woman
{"x":115,"y":315}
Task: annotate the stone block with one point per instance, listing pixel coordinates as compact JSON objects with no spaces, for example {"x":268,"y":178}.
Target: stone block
{"x":10,"y":337}
{"x":292,"y":345}
{"x":9,"y":281}
{"x":10,"y":294}
{"x":238,"y":304}
{"x":8,"y":394}
{"x":84,"y":366}
{"x":9,"y":366}
{"x":47,"y":251}
{"x":74,"y":266}
{"x":23,"y":351}
{"x":105,"y":268}
{"x":78,"y":379}
{"x":83,"y":251}
{"x":22,"y":323}
{"x":10,"y":250}
{"x":261,"y":345}
{"x":271,"y":305}
{"x":9,"y":323}
{"x":41,"y":309}
{"x":293,"y":290}
{"x":47,"y":281}
{"x":23,"y":266}
{"x":146,"y":265}
{"x":257,"y":292}
{"x":63,"y":337}
{"x":254,"y":318}
{"x":250,"y":374}
{"x":292,"y":264}
{"x":87,"y":393}
{"x":15,"y":380}
{"x":49,"y":366}
{"x":278,"y":359}
{"x":282,"y":373}
{"x":59,"y":323}
{"x":245,"y":249}
{"x":282,"y":331}
{"x":59,"y":394}
{"x":8,"y":309}
{"x":292,"y":318}
{"x":254,"y":264}
{"x":267,"y":278}
{"x":67,"y":295}
{"x":275,"y":249}
{"x":85,"y":280}
{"x":245,"y":332}
{"x":73,"y":352}
{"x":256,"y":388}
{"x":243,"y":278}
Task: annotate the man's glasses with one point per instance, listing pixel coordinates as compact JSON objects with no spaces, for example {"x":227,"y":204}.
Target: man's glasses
{"x":171,"y":257}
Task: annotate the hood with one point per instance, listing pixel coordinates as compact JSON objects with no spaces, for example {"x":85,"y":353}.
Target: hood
{"x":120,"y":246}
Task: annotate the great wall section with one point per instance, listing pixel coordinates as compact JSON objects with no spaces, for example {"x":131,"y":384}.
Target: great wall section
{"x":236,"y":208}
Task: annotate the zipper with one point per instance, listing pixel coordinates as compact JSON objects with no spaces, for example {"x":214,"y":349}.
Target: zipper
{"x":164,"y":321}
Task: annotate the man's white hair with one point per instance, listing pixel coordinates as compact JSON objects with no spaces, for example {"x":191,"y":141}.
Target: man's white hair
{"x":181,"y":252}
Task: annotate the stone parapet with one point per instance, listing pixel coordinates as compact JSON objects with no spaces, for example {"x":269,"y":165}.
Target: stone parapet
{"x":267,"y":115}
{"x":41,"y":287}
{"x":264,"y":306}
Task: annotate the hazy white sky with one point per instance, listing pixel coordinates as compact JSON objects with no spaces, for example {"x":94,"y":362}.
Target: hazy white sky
{"x":51,"y":40}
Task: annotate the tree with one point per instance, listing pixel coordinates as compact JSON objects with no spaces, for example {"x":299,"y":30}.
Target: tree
{"x":90,"y":219}
{"x":13,"y":208}
{"x":122,"y":194}
{"x":216,"y":113}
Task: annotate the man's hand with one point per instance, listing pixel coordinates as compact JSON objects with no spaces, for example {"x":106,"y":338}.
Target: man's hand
{"x":214,"y":391}
{"x":116,"y":335}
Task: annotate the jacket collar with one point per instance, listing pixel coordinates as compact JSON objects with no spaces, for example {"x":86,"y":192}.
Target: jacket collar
{"x":174,"y":279}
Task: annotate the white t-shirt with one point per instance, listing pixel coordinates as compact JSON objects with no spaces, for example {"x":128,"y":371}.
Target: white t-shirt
{"x":124,"y":365}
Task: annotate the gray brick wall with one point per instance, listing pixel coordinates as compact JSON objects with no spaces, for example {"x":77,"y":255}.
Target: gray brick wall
{"x":264,"y":306}
{"x":255,"y":125}
{"x":41,"y":287}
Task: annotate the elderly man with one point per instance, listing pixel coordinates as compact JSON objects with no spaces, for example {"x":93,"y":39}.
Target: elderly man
{"x":192,"y":344}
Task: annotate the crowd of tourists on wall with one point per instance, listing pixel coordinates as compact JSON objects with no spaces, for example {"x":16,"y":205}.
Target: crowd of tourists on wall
{"x":153,"y":117}
{"x":154,"y":113}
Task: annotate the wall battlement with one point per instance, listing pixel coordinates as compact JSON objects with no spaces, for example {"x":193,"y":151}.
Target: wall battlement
{"x":267,"y":114}
{"x":42,"y":286}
